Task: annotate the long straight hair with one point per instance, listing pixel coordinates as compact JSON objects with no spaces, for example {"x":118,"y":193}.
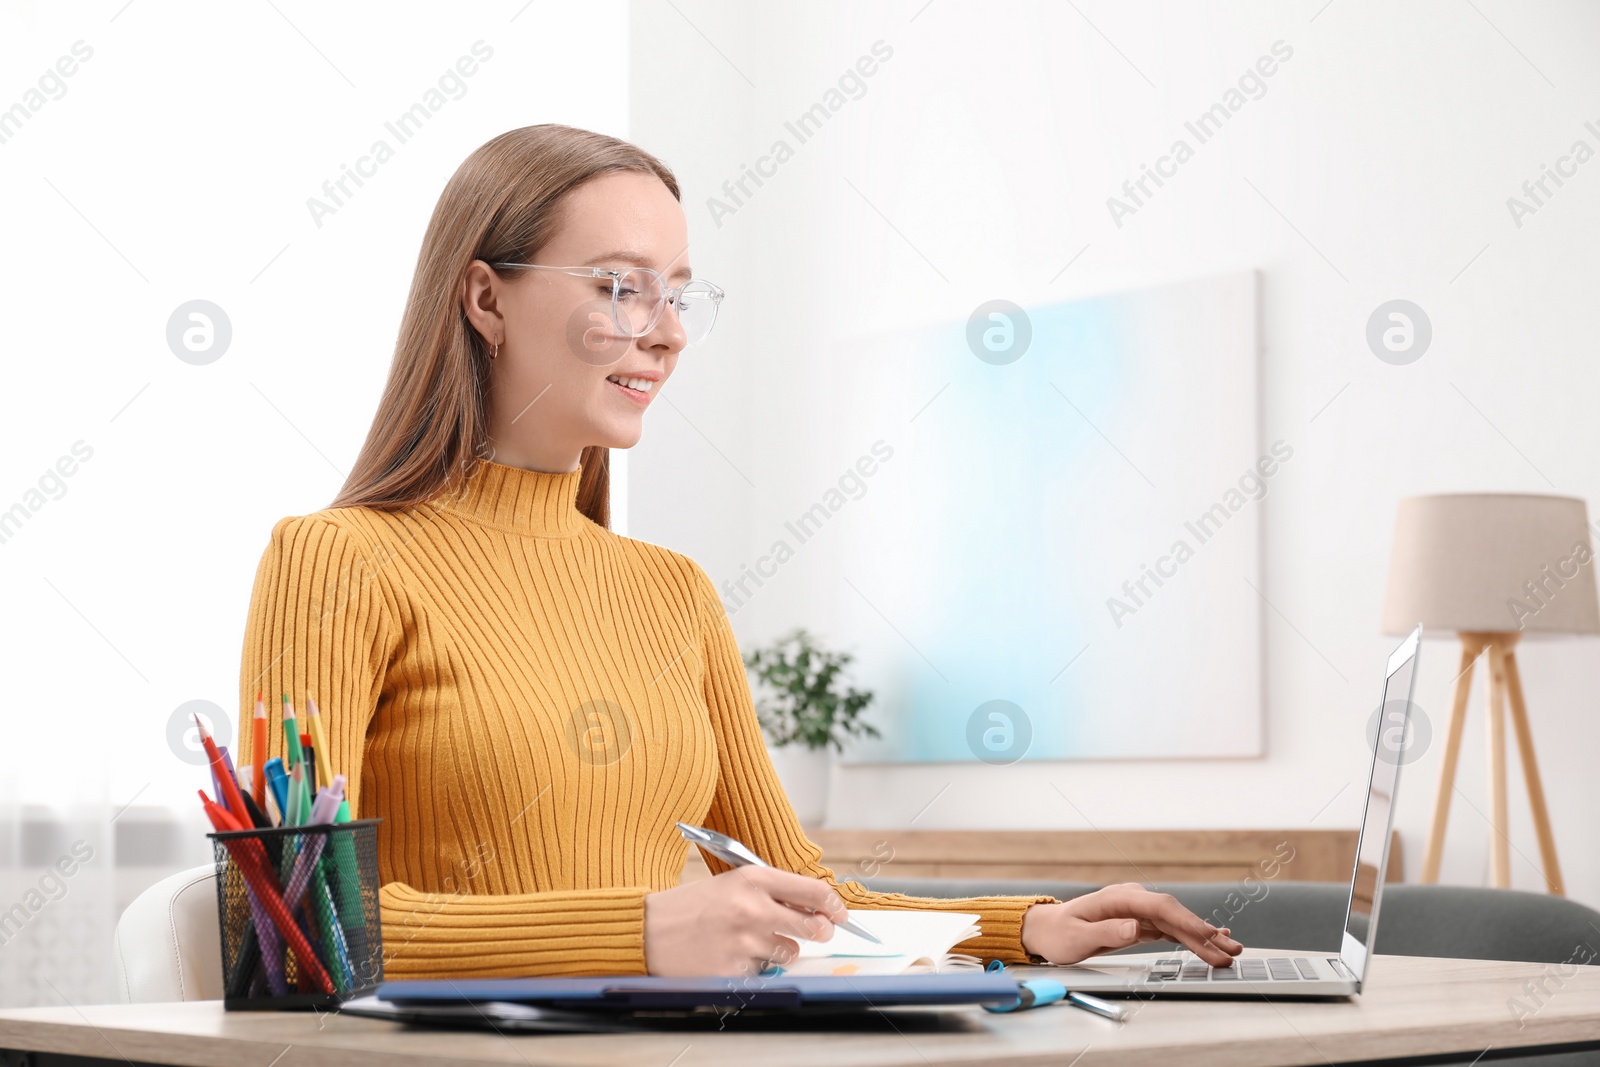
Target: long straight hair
{"x":504,"y":203}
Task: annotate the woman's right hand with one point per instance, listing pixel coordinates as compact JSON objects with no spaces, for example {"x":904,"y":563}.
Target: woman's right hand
{"x":737,"y":922}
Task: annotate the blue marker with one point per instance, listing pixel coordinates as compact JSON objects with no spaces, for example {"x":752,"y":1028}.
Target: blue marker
{"x":1032,"y":993}
{"x":1037,"y":992}
{"x":278,"y":781}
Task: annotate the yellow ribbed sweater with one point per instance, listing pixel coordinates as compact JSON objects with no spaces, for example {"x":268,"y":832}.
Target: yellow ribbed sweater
{"x":529,"y":702}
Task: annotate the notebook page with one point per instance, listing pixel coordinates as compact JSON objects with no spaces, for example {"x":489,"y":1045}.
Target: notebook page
{"x":914,"y":934}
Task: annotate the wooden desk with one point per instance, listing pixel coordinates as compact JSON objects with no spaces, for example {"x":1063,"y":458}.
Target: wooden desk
{"x":1412,"y":1007}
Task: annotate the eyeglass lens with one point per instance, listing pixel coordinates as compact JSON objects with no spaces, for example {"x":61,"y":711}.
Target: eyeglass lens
{"x":640,"y":300}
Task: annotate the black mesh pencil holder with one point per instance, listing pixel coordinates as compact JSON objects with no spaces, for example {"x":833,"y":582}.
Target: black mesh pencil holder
{"x":298,"y":910}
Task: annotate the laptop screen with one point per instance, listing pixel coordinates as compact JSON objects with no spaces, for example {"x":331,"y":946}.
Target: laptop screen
{"x":1389,"y":746}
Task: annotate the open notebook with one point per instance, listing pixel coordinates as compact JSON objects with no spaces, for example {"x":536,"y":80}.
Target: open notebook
{"x":913,"y":942}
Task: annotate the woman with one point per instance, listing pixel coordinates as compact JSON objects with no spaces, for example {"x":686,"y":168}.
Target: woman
{"x":529,"y":701}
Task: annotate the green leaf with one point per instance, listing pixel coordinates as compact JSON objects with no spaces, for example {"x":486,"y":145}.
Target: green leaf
{"x":802,"y":695}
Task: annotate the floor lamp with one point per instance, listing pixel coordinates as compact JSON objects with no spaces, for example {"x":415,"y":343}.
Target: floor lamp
{"x":1493,"y":567}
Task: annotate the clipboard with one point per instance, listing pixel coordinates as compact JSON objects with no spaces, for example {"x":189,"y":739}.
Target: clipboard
{"x":779,"y":993}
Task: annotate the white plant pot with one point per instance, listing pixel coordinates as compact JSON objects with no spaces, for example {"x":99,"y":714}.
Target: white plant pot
{"x":804,"y":773}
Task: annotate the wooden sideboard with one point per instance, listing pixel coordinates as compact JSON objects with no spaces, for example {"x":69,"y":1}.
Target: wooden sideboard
{"x":1089,"y":855}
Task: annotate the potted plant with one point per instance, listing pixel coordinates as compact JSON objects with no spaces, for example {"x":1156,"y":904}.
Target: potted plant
{"x":805,"y":706}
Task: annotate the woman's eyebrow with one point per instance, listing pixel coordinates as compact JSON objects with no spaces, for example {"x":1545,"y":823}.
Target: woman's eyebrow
{"x":637,"y":259}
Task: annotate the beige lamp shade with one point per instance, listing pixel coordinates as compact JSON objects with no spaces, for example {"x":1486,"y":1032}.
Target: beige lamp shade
{"x":1492,"y":563}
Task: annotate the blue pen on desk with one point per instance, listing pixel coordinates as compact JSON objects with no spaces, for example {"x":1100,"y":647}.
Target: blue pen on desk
{"x":1037,"y":992}
{"x":735,"y":854}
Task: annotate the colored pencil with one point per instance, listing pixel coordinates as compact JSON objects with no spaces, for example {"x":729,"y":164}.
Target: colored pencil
{"x":323,"y":755}
{"x":258,"y":752}
{"x":228,"y":788}
{"x":291,"y":734}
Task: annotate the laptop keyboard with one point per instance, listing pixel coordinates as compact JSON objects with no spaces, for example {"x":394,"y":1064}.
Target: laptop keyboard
{"x":1247,"y":969}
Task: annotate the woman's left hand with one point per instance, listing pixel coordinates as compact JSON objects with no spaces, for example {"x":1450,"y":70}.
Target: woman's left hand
{"x":1116,"y":917}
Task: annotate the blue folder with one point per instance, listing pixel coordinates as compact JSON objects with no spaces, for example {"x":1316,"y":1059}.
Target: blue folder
{"x":780,"y":992}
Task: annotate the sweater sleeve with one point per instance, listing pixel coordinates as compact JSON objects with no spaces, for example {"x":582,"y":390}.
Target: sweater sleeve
{"x":323,"y":620}
{"x":751,"y":807}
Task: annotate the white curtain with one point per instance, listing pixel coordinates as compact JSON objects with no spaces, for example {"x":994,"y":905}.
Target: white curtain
{"x":57,"y":904}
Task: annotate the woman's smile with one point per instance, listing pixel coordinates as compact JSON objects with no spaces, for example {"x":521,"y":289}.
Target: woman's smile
{"x":636,"y":387}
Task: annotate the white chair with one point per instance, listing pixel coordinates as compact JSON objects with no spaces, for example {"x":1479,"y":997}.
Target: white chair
{"x":167,"y":944}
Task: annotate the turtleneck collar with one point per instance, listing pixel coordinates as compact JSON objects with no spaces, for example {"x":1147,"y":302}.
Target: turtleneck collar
{"x":536,"y":503}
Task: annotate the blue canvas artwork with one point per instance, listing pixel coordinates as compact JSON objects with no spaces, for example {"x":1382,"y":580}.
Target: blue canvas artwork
{"x":1062,"y":559}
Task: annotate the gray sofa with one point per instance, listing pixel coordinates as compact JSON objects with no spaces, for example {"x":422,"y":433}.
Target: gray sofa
{"x":1415,"y":920}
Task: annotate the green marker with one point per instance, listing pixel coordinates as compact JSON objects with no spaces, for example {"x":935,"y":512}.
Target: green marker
{"x":352,"y":915}
{"x":329,"y":930}
{"x":291,"y":733}
{"x":296,"y":815}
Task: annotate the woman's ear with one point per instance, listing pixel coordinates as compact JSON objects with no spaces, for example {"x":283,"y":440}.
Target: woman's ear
{"x":480,"y":299}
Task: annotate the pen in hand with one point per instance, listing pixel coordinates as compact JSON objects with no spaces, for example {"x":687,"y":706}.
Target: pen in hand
{"x":735,"y":854}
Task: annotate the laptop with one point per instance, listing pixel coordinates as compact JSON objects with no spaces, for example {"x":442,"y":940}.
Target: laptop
{"x":1283,"y":975}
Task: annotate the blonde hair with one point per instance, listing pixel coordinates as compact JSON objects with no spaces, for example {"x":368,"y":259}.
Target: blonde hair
{"x":504,"y":203}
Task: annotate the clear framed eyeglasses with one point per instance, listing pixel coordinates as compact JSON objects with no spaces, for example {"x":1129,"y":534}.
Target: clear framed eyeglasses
{"x":639,"y":295}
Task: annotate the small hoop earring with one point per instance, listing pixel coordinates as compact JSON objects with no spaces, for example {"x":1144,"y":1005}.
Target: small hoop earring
{"x":496,"y":353}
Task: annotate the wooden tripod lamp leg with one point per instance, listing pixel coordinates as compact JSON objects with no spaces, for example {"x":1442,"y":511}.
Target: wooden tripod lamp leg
{"x":1499,"y":843}
{"x":1471,"y":645}
{"x":1530,"y":773}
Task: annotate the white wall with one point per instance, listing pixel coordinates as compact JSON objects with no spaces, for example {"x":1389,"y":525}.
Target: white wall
{"x":1376,"y":166}
{"x":175,"y":163}
{"x":192,"y":141}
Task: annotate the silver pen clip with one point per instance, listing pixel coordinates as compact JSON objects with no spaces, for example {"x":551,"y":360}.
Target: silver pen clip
{"x":721,"y":846}
{"x":1097,"y":1006}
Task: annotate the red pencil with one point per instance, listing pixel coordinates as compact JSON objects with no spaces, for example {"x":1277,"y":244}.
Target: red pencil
{"x":221,"y":818}
{"x":225,"y":781}
{"x":251,"y":857}
{"x":258,"y":781}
